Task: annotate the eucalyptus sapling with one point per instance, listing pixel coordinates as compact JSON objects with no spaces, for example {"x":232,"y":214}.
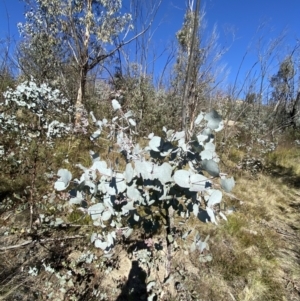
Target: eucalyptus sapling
{"x":168,"y":173}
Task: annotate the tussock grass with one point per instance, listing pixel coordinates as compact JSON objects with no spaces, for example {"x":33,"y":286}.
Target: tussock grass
{"x":257,"y":249}
{"x":255,"y":253}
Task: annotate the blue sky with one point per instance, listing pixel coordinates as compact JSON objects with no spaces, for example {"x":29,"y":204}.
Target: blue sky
{"x":241,"y":17}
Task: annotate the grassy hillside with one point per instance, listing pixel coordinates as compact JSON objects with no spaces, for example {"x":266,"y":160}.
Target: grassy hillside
{"x":255,"y":254}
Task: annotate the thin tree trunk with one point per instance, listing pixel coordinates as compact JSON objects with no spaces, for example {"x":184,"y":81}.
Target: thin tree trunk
{"x":295,"y":114}
{"x":84,"y":67}
{"x":79,"y":106}
{"x":185,"y":100}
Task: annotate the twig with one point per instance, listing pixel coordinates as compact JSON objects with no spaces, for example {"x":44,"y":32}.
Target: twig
{"x":232,"y":196}
{"x":28,"y":242}
{"x":170,"y":219}
{"x":13,"y":289}
{"x":294,"y":284}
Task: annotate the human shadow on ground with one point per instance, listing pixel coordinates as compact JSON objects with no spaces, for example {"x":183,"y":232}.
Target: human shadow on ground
{"x":135,"y":288}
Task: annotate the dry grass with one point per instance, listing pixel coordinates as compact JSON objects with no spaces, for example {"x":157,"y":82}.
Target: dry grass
{"x":255,"y":253}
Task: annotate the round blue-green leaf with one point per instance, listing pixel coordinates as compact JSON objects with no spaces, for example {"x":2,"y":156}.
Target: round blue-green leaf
{"x":214,"y":119}
{"x":115,"y":104}
{"x":106,"y":215}
{"x":227,"y":184}
{"x":101,"y":244}
{"x":211,"y":167}
{"x":155,"y":143}
{"x":198,"y":182}
{"x":215,"y":198}
{"x":182,"y":178}
{"x":96,"y":210}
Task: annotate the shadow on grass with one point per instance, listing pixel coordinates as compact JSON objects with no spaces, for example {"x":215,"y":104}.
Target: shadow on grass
{"x":285,"y":174}
{"x":135,"y":287}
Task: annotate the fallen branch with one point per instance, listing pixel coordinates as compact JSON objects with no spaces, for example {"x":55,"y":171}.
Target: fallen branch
{"x":28,"y":242}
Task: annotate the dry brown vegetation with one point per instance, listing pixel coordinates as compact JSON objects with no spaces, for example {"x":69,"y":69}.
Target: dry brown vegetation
{"x":255,"y":253}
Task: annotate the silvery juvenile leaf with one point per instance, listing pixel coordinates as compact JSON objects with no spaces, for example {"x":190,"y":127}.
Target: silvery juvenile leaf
{"x":132,"y":122}
{"x":214,"y":119}
{"x":178,"y":136}
{"x":129,"y":172}
{"x":151,"y":202}
{"x":195,"y":209}
{"x":95,"y":156}
{"x":96,"y":134}
{"x":201,"y":246}
{"x":182,"y":178}
{"x":95,"y":211}
{"x":206,"y":155}
{"x":211,"y":214}
{"x":97,"y":223}
{"x":58,"y":221}
{"x":215,"y":198}
{"x":220,"y":127}
{"x":91,"y":185}
{"x":101,"y":244}
{"x":133,"y":194}
{"x":128,"y":206}
{"x":144,"y":168}
{"x":155,"y":143}
{"x":211,"y":167}
{"x":59,"y":185}
{"x":64,"y":180}
{"x":111,"y":190}
{"x":198,"y":182}
{"x":199,"y":119}
{"x":164,"y":173}
{"x":128,"y":114}
{"x":202,"y":138}
{"x":106,"y":215}
{"x":99,"y":165}
{"x":170,"y":133}
{"x":94,"y":237}
{"x":182,"y":145}
{"x":150,"y":285}
{"x":76,"y":200}
{"x":120,"y":183}
{"x":207,"y":131}
{"x":150,"y":136}
{"x":110,"y":239}
{"x":128,"y":232}
{"x":210,"y":146}
{"x":227,"y":184}
{"x":115,"y":104}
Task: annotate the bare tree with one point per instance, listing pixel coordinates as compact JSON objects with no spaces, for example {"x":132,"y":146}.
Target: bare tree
{"x":89,"y":31}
